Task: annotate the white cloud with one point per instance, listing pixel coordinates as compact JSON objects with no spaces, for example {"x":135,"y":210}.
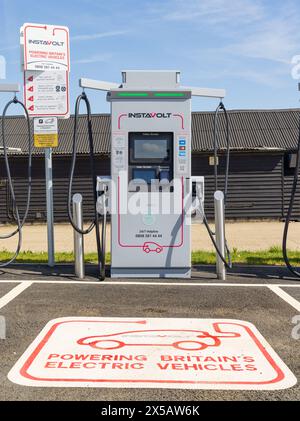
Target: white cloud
{"x":88,"y":37}
{"x":277,"y":40}
{"x":83,"y":37}
{"x":261,"y":77}
{"x":10,"y":47}
{"x":96,"y":58}
{"x":257,"y":29}
{"x":215,"y":11}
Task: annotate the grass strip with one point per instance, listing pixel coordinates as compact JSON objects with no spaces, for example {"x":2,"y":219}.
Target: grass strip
{"x":272,"y":256}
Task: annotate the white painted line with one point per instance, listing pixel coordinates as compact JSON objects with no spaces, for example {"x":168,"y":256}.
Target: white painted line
{"x":285,"y":296}
{"x":14,"y":293}
{"x":190,"y":284}
{"x":284,"y":285}
{"x":151,"y":353}
{"x":151,"y":283}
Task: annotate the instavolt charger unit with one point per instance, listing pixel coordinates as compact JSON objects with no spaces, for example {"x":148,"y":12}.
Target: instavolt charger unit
{"x":149,"y":195}
{"x":151,"y":173}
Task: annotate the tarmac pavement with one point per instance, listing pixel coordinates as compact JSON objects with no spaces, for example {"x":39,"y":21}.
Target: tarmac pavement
{"x":264,"y":296}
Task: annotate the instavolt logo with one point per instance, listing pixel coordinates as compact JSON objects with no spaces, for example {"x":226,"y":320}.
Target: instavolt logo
{"x":149,"y":115}
{"x":46,"y":42}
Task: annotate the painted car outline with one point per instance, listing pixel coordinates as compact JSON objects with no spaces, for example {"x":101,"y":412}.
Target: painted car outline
{"x":151,"y":246}
{"x":93,"y":341}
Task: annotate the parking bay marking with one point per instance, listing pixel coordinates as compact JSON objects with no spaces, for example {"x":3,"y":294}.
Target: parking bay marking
{"x":14,"y":293}
{"x":151,"y":283}
{"x":151,"y":353}
{"x":276,"y":288}
{"x":285,"y":296}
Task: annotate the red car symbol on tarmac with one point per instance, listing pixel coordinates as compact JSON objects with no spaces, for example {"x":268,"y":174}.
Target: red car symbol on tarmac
{"x":152,"y":247}
{"x":200,"y":340}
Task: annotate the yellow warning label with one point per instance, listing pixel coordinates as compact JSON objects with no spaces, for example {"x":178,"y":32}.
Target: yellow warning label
{"x":46,"y":140}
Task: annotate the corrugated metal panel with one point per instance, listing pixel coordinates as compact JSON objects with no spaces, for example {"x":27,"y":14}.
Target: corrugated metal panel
{"x":250,"y":130}
{"x":16,"y":131}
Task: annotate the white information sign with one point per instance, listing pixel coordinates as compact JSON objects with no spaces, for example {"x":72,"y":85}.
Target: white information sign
{"x":45,"y":132}
{"x":46,"y":47}
{"x":151,"y":353}
{"x":47,"y":93}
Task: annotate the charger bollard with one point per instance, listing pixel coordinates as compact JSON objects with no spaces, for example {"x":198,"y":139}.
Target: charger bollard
{"x":78,"y":238}
{"x":220,"y":233}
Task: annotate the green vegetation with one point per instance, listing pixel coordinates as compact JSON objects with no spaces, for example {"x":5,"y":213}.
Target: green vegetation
{"x":273,"y":256}
{"x":42,"y":257}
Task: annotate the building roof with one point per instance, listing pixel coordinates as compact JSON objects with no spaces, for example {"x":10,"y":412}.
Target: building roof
{"x":250,"y":130}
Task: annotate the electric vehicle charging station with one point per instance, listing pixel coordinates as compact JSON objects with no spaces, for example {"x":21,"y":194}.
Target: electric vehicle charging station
{"x":152,"y":200}
{"x":151,"y":147}
{"x":150,"y":194}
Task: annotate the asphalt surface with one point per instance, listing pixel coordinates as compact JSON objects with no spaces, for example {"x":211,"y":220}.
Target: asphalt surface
{"x":295,"y":293}
{"x":238,"y":274}
{"x":29,"y":312}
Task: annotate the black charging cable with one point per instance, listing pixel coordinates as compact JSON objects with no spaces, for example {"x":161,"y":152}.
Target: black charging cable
{"x":20,"y":221}
{"x":227,"y":261}
{"x":291,"y":268}
{"x":96,"y":221}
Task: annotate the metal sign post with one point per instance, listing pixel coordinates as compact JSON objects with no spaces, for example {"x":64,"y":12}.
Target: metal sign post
{"x":49,"y":203}
{"x":45,"y":61}
{"x":46,"y":136}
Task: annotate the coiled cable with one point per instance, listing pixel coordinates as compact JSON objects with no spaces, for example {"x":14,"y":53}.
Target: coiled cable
{"x":20,"y":222}
{"x":95,"y":222}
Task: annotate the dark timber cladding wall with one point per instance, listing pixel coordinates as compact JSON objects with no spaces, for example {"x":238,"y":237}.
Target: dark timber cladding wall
{"x":61,"y":167}
{"x":288,"y":182}
{"x":255,"y":184}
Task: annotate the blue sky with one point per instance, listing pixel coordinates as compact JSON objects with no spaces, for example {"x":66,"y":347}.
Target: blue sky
{"x":245,"y":46}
